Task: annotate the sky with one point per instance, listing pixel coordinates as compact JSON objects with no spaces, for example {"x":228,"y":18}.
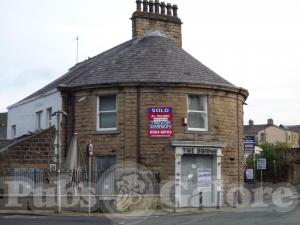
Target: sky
{"x":254,"y":44}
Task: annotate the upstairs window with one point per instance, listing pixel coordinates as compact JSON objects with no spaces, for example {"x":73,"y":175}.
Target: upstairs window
{"x":38,"y":120}
{"x":107,"y":112}
{"x":197,"y":113}
{"x":13,"y":131}
{"x":262,"y":137}
{"x":48,"y":117}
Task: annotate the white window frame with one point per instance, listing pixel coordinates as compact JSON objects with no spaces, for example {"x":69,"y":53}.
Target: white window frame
{"x":48,"y":117}
{"x":196,"y":111}
{"x":39,"y":121}
{"x":111,"y":111}
{"x":13,"y":131}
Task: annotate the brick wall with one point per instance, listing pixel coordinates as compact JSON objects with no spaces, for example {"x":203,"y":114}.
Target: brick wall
{"x":36,"y":151}
{"x":225,"y":126}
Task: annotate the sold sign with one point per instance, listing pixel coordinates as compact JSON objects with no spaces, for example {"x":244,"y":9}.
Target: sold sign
{"x":160,"y":122}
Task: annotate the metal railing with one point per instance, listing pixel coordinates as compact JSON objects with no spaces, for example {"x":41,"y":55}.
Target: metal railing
{"x":110,"y":182}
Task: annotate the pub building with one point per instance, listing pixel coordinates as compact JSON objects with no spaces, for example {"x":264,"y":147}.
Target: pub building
{"x":148,"y":101}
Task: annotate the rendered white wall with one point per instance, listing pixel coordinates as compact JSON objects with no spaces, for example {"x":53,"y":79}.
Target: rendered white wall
{"x":24,"y":115}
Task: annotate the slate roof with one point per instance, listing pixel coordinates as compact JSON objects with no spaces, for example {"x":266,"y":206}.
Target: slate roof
{"x":151,"y":59}
{"x":254,"y":129}
{"x":293,"y":128}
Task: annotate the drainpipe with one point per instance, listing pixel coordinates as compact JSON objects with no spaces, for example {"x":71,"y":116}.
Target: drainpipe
{"x":238,"y":132}
{"x":71,"y":112}
{"x":138,"y":122}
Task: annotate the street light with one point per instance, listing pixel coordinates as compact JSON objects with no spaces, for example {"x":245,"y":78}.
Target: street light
{"x":58,"y":155}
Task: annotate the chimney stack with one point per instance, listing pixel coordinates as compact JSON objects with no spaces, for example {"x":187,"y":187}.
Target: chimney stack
{"x":270,"y":122}
{"x":150,"y":16}
{"x":251,"y":122}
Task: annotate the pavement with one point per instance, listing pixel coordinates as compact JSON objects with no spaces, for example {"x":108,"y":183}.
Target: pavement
{"x":242,"y":215}
{"x":166,"y":212}
{"x":152,"y":212}
{"x":227,"y":216}
{"x":157,"y":212}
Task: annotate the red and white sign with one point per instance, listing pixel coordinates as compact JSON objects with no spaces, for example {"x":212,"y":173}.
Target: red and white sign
{"x":160,"y":122}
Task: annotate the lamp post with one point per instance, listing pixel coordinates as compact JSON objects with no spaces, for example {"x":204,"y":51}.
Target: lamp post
{"x":58,"y":155}
{"x":91,"y":151}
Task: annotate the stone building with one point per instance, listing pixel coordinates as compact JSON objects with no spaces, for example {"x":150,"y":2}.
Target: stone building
{"x":112,"y":98}
{"x":149,"y":102}
{"x":271,"y":133}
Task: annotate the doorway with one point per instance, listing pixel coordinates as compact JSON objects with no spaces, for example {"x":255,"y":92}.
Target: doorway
{"x":106,"y":175}
{"x":198,"y":177}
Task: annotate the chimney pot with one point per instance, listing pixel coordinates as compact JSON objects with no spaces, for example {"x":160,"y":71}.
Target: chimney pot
{"x":175,"y":9}
{"x":138,"y":5}
{"x":163,"y":8}
{"x":151,"y":6}
{"x":251,"y":122}
{"x":145,"y":5}
{"x":156,"y":4}
{"x":169,"y":9}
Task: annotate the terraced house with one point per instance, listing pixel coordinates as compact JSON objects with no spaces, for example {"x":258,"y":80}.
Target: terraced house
{"x":150,"y":102}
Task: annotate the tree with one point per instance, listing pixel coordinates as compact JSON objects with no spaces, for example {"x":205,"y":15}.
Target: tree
{"x":275,"y":156}
{"x":274,"y":151}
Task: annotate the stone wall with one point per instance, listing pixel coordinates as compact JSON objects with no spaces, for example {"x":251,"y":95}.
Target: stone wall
{"x":35,"y":151}
{"x":225,"y":111}
{"x":292,"y":159}
{"x":294,"y":173}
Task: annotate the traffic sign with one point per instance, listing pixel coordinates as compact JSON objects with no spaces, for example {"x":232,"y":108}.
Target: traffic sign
{"x":261,"y":164}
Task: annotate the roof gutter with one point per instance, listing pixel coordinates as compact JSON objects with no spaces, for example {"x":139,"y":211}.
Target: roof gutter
{"x":32,"y":99}
{"x":237,"y":90}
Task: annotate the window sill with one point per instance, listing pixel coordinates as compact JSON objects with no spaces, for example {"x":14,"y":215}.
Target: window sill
{"x":106,"y":132}
{"x":198,"y":132}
